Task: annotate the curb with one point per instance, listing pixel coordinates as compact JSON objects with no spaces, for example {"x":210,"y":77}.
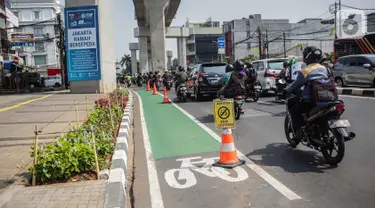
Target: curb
{"x":116,"y":184}
{"x":356,"y":92}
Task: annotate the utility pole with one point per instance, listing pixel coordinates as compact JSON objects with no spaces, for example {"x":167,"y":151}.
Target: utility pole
{"x":260,"y":43}
{"x":59,"y":32}
{"x":335,"y":20}
{"x":340,"y":18}
{"x":284,"y":45}
{"x":266,"y":45}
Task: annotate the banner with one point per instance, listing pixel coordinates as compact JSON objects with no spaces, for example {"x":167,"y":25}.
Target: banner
{"x":82,"y":43}
{"x":21,"y":39}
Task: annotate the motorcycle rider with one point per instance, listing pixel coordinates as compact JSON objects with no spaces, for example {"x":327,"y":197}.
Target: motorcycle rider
{"x":181,"y":77}
{"x":236,"y":83}
{"x":128,"y":79}
{"x":313,"y":71}
{"x":139,"y":79}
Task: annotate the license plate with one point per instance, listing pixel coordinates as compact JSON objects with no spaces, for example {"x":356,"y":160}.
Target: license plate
{"x":214,"y":81}
{"x":257,"y":87}
{"x":239,"y":102}
{"x":338,"y":123}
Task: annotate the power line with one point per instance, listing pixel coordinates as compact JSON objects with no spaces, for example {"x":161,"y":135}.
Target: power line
{"x":352,"y":7}
{"x":33,"y":24}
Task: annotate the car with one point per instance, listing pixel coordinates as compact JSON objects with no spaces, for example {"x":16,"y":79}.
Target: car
{"x":204,"y":79}
{"x":355,"y":70}
{"x":52,"y":81}
{"x":267,"y":70}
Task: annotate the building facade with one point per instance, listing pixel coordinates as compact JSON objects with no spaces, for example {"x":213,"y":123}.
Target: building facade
{"x":38,"y":17}
{"x":242,"y":36}
{"x":201,"y":45}
{"x":4,"y":41}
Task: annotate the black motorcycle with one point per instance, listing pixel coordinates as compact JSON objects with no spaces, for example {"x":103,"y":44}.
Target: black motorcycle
{"x":253,"y":91}
{"x":182,"y":93}
{"x":168,"y":84}
{"x":323,"y":130}
{"x":280,"y":85}
{"x":139,"y":82}
{"x":238,"y":102}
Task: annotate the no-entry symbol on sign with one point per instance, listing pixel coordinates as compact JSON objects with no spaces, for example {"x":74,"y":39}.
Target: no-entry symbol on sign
{"x":224,"y":114}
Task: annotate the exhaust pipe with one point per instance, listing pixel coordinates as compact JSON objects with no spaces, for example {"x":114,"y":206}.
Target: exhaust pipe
{"x":351,"y":136}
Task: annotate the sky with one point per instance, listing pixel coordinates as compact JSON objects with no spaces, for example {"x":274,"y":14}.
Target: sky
{"x":223,"y":10}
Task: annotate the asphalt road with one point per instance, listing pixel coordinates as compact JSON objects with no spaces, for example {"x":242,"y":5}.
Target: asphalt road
{"x":260,"y":136}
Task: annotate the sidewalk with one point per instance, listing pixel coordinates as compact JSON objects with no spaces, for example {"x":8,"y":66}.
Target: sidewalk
{"x":85,"y":194}
{"x":53,"y":114}
{"x":365,"y":92}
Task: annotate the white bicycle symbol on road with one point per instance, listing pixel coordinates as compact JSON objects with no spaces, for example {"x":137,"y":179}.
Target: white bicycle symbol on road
{"x":186,"y":177}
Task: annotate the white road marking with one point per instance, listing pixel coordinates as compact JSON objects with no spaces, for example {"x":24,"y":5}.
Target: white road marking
{"x":357,"y":97}
{"x":155,"y":193}
{"x":267,"y":177}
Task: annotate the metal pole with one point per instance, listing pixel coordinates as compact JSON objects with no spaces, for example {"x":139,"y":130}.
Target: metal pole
{"x":260,"y":43}
{"x":340,"y":32}
{"x":335,"y":20}
{"x":33,"y":182}
{"x":95,"y":155}
{"x":284,"y":45}
{"x":267,"y":52}
{"x":77,"y":114}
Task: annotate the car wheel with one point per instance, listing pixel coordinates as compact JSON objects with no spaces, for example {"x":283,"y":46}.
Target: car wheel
{"x":57,"y":84}
{"x":339,"y":82}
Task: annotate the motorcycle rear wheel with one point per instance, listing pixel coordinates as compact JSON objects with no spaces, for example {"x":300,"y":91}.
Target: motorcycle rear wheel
{"x":256,"y":96}
{"x":289,"y":133}
{"x":338,"y":141}
{"x":237,"y":113}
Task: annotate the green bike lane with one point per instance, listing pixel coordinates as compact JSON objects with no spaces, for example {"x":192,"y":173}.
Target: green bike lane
{"x":183,"y":153}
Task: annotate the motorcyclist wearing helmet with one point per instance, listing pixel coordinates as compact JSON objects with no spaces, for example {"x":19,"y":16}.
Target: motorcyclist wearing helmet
{"x":325,"y":62}
{"x":283,"y":72}
{"x":181,"y":77}
{"x":236,"y":83}
{"x":313,"y":71}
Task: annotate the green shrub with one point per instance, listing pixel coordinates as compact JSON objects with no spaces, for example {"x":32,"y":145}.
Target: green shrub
{"x":73,"y":152}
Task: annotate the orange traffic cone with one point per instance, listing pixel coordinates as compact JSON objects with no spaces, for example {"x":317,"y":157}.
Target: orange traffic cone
{"x":228,"y":153}
{"x":166,"y":99}
{"x":154,"y":90}
{"x":148,"y":86}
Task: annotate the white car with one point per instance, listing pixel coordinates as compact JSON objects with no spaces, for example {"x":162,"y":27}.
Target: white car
{"x":267,"y":70}
{"x":52,"y":81}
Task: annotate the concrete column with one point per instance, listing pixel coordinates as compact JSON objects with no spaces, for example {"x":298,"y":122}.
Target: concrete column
{"x":157,"y":33}
{"x":150,"y":67}
{"x":143,"y":55}
{"x":133,"y":47}
{"x":107,"y":52}
{"x":169,"y":57}
{"x":181,"y":49}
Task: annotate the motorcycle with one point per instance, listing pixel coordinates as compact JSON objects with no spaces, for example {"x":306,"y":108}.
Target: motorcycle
{"x":281,"y":84}
{"x":253,"y":90}
{"x":238,"y":102}
{"x":323,"y":130}
{"x":182,"y":93}
{"x":168,"y":84}
{"x":139,"y":82}
{"x":129,"y":83}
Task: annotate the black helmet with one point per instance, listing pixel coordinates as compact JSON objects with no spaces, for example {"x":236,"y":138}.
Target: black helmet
{"x":229,"y":68}
{"x":238,"y":66}
{"x":249,"y":65}
{"x":312,"y":54}
{"x":181,"y":68}
{"x":285,"y":64}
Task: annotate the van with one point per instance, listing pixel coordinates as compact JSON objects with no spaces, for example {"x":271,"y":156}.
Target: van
{"x":267,"y":70}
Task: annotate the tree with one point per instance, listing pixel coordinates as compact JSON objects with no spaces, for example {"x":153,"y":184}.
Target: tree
{"x":250,"y":58}
{"x":175,"y":62}
{"x":127,"y":61}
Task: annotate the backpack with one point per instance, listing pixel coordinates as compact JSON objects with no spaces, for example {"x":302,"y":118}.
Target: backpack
{"x":323,"y":91}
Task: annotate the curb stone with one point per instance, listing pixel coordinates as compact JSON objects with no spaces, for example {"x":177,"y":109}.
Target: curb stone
{"x":115,"y":191}
{"x":356,"y":92}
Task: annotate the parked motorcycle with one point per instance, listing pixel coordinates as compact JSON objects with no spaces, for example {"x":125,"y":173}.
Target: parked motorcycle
{"x":280,"y":85}
{"x":253,"y":91}
{"x":182,"y":93}
{"x":324,"y":130}
{"x":238,"y":102}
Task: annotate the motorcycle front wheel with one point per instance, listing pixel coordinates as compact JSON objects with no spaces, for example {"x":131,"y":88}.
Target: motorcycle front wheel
{"x":289,"y":132}
{"x":237,"y":113}
{"x":336,"y":142}
{"x":256,"y":96}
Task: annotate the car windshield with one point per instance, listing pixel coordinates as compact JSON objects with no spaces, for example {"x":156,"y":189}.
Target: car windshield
{"x":372,"y":58}
{"x":275,"y":65}
{"x":214,"y":69}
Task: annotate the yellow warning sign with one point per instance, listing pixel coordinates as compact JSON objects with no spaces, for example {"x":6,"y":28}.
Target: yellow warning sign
{"x":224,"y":114}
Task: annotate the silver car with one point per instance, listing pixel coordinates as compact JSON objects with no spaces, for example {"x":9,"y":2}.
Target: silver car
{"x":267,"y":70}
{"x":355,"y":70}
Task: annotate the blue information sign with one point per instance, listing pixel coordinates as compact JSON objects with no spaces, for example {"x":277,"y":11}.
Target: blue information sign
{"x":221,"y":43}
{"x":82,"y":43}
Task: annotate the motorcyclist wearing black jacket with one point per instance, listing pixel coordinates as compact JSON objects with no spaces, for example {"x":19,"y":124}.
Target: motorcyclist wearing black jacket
{"x":313,"y":71}
{"x":181,"y":77}
{"x":236,"y":84}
